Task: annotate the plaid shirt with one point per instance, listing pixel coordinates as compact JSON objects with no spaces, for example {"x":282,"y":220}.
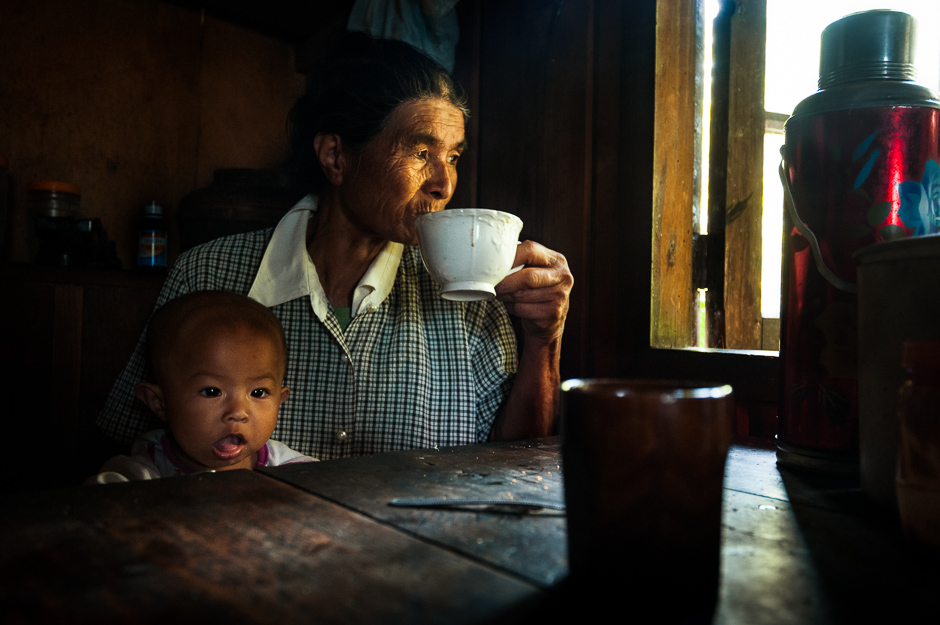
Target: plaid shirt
{"x":415,"y":371}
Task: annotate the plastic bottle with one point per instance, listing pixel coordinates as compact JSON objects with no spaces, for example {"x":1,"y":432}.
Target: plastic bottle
{"x":152,"y":240}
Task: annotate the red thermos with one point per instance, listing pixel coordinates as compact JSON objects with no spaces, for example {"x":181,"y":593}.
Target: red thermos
{"x":860,"y":166}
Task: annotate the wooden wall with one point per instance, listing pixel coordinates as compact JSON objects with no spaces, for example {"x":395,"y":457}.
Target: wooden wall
{"x":134,"y":101}
{"x":566,"y":108}
{"x":535,"y":153}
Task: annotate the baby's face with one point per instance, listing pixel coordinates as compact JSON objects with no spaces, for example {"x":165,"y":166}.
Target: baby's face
{"x":222,"y":393}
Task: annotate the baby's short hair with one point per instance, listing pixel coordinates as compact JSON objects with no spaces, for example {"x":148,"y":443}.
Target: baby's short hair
{"x":220,"y":309}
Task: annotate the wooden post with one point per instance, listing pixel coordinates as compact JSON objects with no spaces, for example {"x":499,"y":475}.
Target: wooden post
{"x":678,"y":55}
{"x":744,"y":182}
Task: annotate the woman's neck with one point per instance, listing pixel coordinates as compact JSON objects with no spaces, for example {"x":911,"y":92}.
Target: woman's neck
{"x":341,"y":252}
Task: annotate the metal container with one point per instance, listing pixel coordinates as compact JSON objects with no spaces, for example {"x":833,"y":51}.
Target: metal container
{"x":54,"y":199}
{"x":898,"y":301}
{"x":238,"y":200}
{"x":860,"y":161}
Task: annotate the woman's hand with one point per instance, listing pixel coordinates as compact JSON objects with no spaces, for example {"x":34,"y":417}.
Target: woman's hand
{"x":538,"y":294}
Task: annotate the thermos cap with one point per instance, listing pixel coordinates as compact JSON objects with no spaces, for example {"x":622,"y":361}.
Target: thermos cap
{"x":869,"y":45}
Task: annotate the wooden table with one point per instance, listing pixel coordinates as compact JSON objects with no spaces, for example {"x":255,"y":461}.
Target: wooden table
{"x":320,"y":543}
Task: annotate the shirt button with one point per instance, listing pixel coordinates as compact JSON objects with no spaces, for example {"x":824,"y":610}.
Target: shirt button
{"x":344,"y":358}
{"x":372,"y":308}
{"x":341,"y":435}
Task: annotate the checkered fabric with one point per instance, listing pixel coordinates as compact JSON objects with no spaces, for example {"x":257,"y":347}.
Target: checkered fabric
{"x":417,"y":372}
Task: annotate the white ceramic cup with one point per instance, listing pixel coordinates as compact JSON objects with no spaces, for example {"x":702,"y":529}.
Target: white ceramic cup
{"x":468,"y":251}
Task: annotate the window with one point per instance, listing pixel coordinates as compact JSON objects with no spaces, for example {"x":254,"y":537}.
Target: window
{"x":764,"y":58}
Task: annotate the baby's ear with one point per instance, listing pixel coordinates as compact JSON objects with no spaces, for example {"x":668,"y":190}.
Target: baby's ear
{"x":152,"y":395}
{"x":285,"y":393}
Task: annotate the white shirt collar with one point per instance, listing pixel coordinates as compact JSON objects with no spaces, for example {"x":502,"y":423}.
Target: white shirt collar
{"x":287,"y":272}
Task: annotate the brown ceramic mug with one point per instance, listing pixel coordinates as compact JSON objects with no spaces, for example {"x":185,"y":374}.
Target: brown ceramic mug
{"x":643,"y":469}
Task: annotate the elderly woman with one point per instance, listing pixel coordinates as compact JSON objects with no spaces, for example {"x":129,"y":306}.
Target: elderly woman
{"x":378,"y":361}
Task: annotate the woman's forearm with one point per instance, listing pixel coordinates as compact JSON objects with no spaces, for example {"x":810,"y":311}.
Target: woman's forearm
{"x":532,"y":406}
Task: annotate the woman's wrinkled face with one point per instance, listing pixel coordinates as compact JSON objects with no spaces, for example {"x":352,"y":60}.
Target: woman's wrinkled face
{"x":408,"y":170}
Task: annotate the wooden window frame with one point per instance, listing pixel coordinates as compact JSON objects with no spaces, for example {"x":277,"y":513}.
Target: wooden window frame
{"x":726,"y":261}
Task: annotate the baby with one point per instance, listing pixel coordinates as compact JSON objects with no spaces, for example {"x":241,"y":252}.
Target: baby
{"x":217,"y":363}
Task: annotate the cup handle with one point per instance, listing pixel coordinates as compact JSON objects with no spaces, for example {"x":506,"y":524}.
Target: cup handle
{"x":517,"y":267}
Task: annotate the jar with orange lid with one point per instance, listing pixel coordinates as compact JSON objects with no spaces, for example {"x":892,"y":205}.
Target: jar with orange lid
{"x":55,"y":209}
{"x":50,"y":198}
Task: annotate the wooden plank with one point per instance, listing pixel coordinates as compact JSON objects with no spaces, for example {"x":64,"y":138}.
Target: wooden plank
{"x":246,"y":87}
{"x":717,"y":176}
{"x":532,"y":546}
{"x":768,"y":576}
{"x":114,"y":318}
{"x":800,"y":548}
{"x":66,"y":358}
{"x":866,"y":571}
{"x":501,"y":471}
{"x":674,"y":161}
{"x":27,"y":314}
{"x":745,"y":173}
{"x":467,"y":74}
{"x":76,"y":328}
{"x":603,"y":283}
{"x":535,"y":144}
{"x":234,"y":547}
{"x":753,"y":470}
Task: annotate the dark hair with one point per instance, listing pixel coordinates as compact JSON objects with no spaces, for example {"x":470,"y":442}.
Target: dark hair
{"x":215,"y":309}
{"x":353,"y":94}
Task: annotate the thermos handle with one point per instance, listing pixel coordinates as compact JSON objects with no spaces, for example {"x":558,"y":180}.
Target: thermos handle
{"x":803,"y":229}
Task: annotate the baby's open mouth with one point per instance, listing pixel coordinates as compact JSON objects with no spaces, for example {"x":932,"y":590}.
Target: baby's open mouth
{"x":230,"y":446}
